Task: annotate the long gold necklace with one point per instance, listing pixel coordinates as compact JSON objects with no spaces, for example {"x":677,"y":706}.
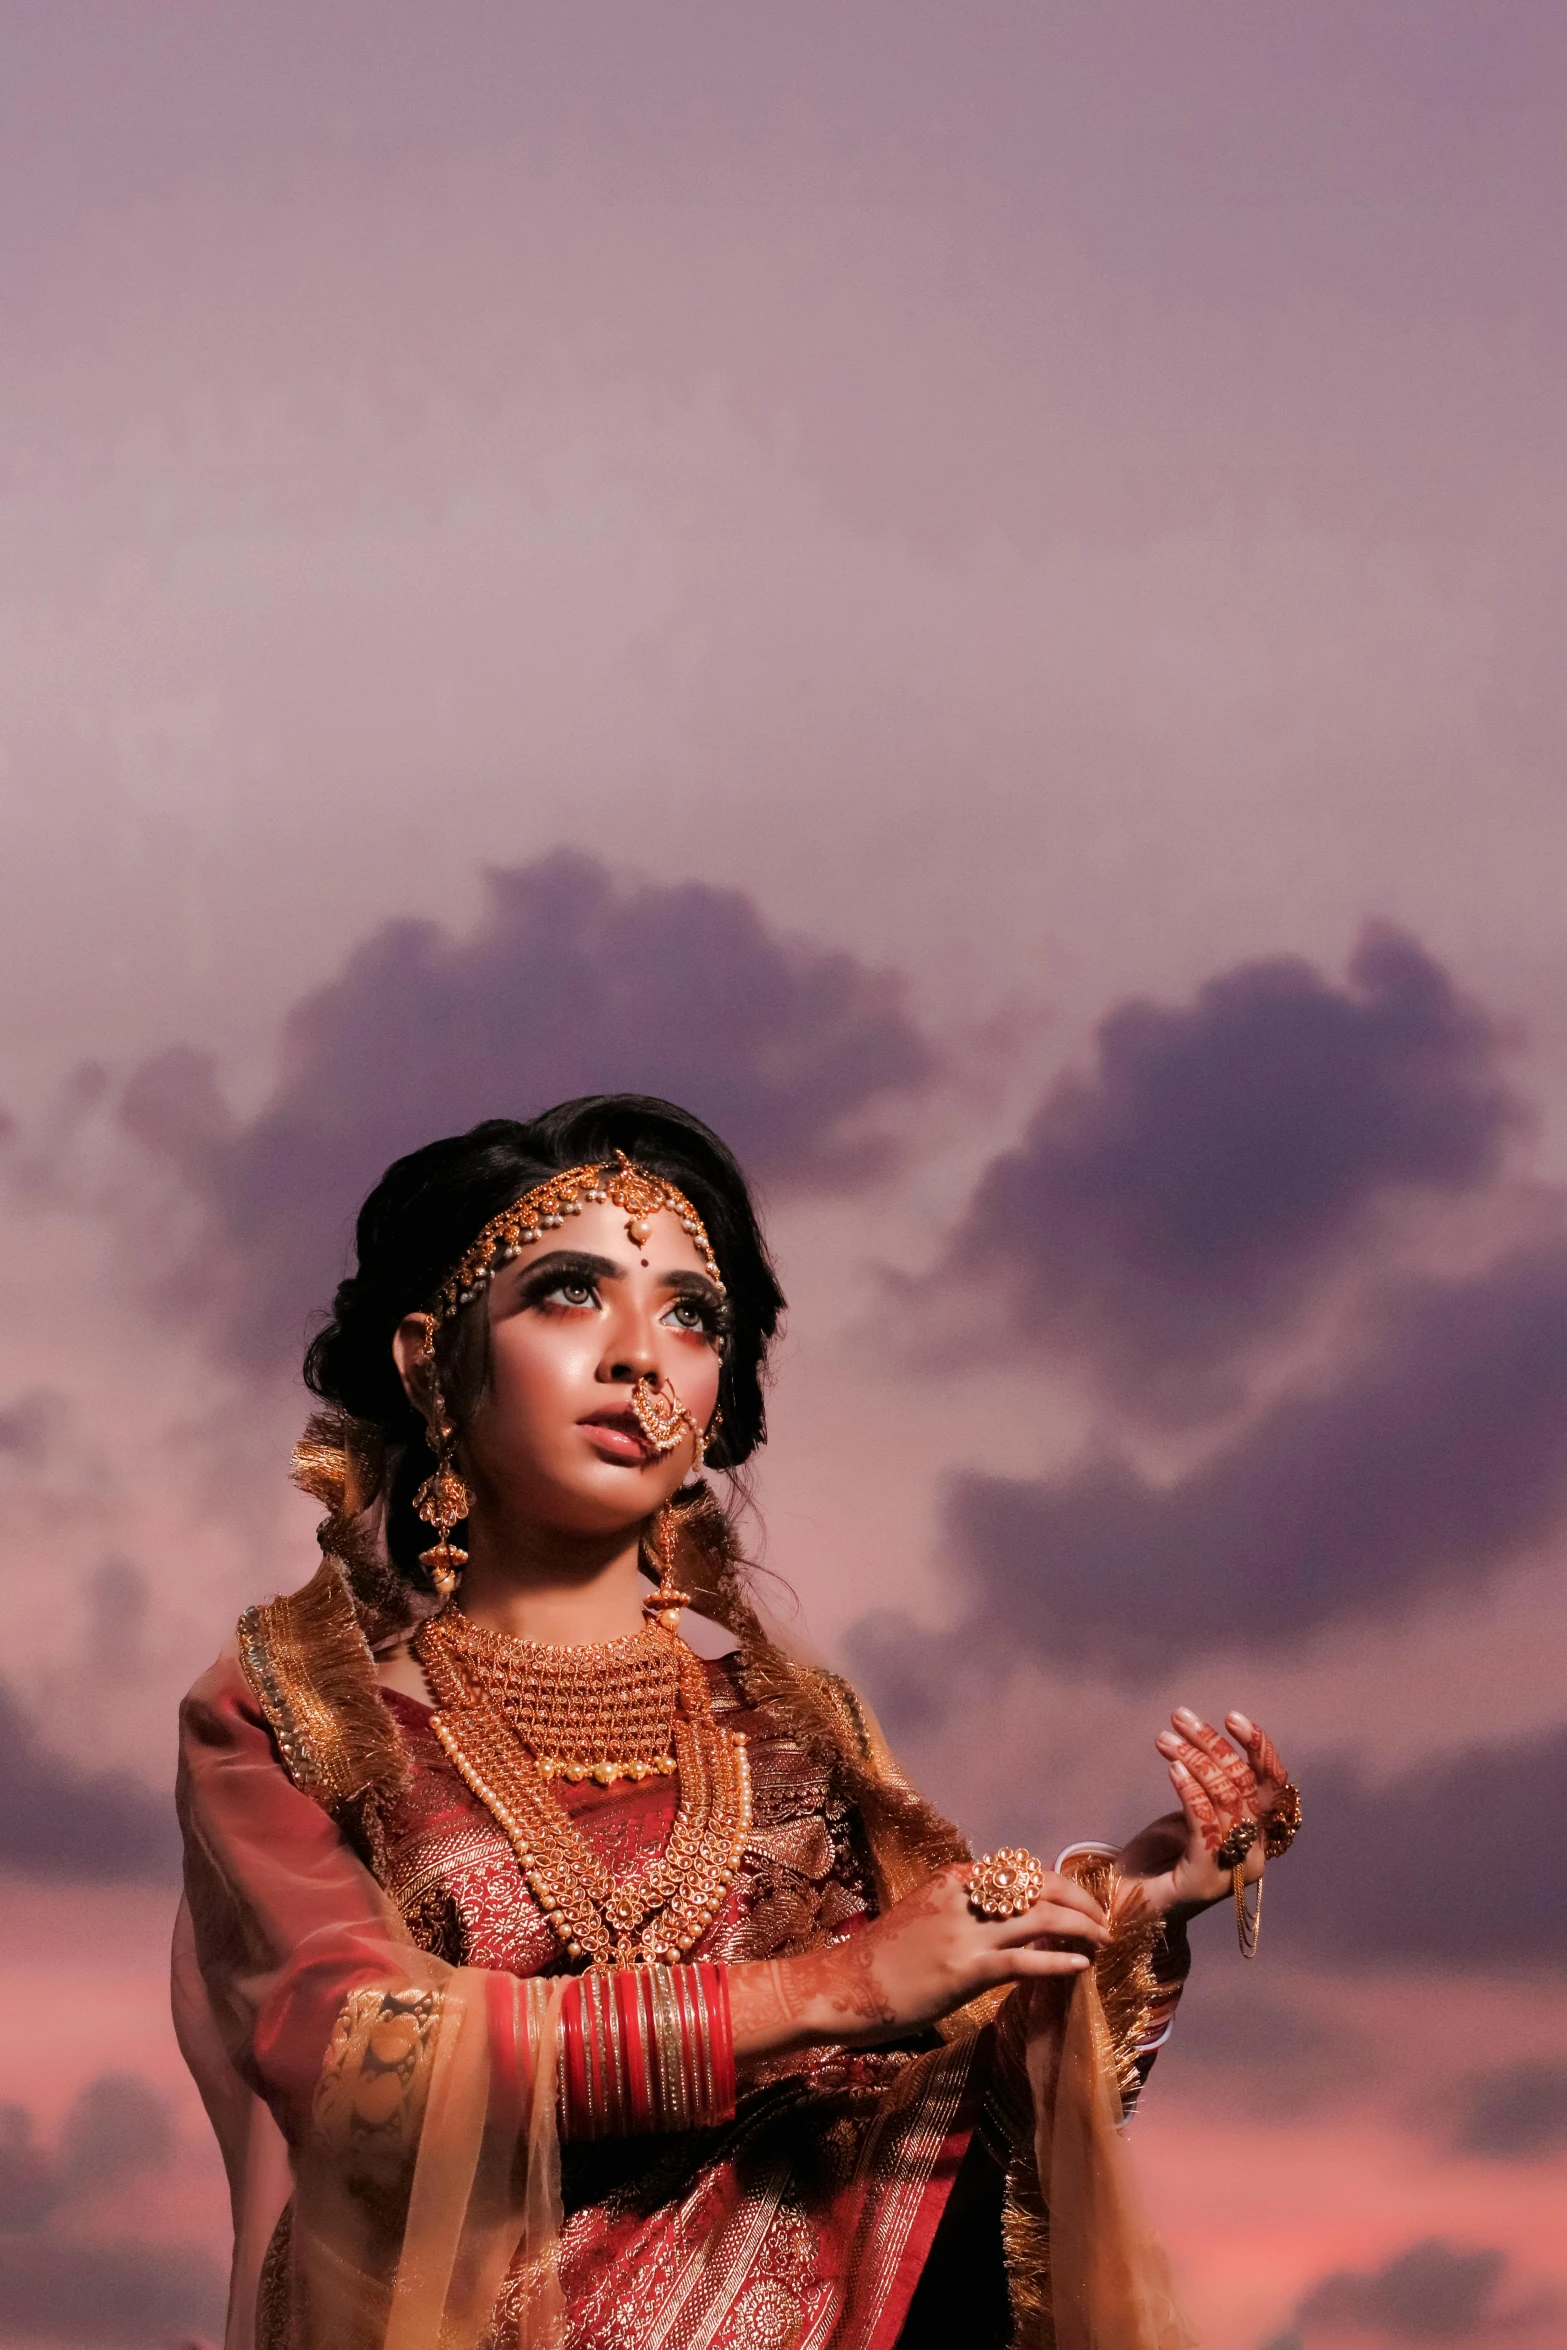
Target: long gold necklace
{"x":495,"y":1695}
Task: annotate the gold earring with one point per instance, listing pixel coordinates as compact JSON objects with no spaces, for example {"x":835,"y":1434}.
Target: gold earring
{"x":443,"y":1500}
{"x":663,"y":1605}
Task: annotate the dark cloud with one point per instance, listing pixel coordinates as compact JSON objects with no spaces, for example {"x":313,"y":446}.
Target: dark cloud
{"x":1404,"y":1870}
{"x":1426,"y":1466}
{"x":1172,"y":1203}
{"x":117,"y":2128}
{"x":569,"y":986}
{"x":1429,"y":2293}
{"x":28,"y":1425}
{"x":56,"y":2285}
{"x":60,"y":1821}
{"x":1517,"y":2114}
{"x":1383,"y":1873}
{"x":1260,"y":2044}
{"x":121,"y":2294}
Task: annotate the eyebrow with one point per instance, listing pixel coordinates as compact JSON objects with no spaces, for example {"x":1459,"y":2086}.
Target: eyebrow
{"x":571,"y":1260}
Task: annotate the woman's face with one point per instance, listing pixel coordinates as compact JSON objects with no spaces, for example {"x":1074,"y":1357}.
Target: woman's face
{"x":574,"y":1324}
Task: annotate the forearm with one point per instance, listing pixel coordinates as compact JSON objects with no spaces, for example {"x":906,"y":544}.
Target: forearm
{"x":780,"y":2004}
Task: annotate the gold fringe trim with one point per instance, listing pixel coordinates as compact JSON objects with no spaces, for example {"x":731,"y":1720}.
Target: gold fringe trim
{"x":1123,"y":1971}
{"x":1025,"y":2248}
{"x":306,"y":1658}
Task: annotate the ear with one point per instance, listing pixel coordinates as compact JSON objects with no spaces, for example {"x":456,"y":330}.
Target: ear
{"x":412,"y":1343}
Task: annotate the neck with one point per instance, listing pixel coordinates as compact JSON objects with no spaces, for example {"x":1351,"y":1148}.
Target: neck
{"x":537,"y":1583}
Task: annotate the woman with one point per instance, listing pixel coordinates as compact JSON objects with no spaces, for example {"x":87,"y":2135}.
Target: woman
{"x":549,"y":1983}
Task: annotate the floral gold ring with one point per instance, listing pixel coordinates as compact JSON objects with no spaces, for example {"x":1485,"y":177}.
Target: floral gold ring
{"x":1003,"y":1884}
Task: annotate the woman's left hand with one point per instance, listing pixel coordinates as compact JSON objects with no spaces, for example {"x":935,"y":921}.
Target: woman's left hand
{"x":1221,"y":1783}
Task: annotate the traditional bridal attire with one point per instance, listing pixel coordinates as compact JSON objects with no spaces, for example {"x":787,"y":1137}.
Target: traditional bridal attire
{"x":444,"y":2131}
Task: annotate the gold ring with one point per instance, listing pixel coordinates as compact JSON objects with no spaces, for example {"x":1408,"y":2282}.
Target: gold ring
{"x":1282,"y":1824}
{"x":1237,"y":1844}
{"x":1003,"y":1884}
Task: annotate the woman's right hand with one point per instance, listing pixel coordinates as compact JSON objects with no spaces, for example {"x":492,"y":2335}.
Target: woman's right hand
{"x":925,"y":1957}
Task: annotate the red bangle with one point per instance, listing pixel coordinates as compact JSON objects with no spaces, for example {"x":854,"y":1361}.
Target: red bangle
{"x":646,"y":2049}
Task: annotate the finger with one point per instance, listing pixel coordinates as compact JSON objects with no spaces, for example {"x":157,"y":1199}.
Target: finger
{"x":1198,"y":1806}
{"x":1231,"y":1791}
{"x":1074,"y":1895}
{"x":1264,"y":1756}
{"x":1014,"y":1966}
{"x":1210,"y":1775}
{"x":1220,"y":1751}
{"x":1051,"y":1917}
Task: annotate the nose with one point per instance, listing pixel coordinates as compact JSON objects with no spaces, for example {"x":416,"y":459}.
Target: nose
{"x":632,"y":1353}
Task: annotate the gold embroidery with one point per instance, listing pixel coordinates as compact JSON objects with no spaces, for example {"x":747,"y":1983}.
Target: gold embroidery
{"x":370,"y":2098}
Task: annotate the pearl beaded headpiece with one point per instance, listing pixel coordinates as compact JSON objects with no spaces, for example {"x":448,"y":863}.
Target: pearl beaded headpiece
{"x":546,"y":1208}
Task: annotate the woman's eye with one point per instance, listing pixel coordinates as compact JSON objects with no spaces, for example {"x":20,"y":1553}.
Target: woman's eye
{"x":574,"y":1293}
{"x":689,"y":1313}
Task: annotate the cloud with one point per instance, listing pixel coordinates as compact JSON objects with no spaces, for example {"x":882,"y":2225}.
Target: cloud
{"x":568,"y":986}
{"x":60,"y":1821}
{"x":56,"y":2285}
{"x":1388,"y":1872}
{"x":117,"y":2127}
{"x":1173,"y":1202}
{"x":1429,"y":2293}
{"x":119,"y":2294}
{"x":1383,"y":1873}
{"x":28,"y":1425}
{"x":1429,"y":1463}
{"x":1518,"y":2114}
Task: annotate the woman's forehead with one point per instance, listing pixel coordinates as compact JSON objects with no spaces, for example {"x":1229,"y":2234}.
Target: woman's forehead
{"x":605,"y":1230}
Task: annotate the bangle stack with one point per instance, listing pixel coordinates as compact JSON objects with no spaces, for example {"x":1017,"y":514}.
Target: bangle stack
{"x":646,"y":2048}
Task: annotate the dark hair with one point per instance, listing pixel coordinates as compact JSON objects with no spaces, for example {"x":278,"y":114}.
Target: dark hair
{"x":429,"y":1206}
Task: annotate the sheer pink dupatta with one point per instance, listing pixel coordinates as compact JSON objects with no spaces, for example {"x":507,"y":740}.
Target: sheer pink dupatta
{"x":403,"y":2109}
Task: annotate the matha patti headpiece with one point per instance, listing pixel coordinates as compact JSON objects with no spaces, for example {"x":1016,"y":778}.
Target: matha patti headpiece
{"x":546,"y":1208}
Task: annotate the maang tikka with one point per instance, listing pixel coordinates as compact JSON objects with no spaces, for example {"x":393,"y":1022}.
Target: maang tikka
{"x":443,"y":1500}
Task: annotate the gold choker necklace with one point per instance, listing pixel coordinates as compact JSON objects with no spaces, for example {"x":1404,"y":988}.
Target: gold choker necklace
{"x":483,"y":1682}
{"x":605,"y":1710}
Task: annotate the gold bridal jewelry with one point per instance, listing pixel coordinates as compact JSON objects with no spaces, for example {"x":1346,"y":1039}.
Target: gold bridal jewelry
{"x":443,"y":1500}
{"x":1003,"y":1884}
{"x":664,"y":1420}
{"x":1282,"y":1825}
{"x":546,"y":1209}
{"x":1232,"y":1852}
{"x":516,"y":1716}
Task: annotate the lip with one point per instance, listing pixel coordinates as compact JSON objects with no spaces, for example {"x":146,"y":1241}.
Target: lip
{"x":615,"y":1436}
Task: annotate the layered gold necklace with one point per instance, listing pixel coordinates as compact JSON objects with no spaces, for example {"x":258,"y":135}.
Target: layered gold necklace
{"x":514,"y":1715}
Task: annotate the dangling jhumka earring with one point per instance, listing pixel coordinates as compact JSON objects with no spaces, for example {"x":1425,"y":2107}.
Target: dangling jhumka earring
{"x":662,"y":1606}
{"x":443,"y":1500}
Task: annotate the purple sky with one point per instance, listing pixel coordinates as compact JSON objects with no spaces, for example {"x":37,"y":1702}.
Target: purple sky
{"x":1023,"y":548}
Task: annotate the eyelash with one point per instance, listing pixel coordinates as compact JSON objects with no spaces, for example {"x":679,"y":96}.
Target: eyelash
{"x":710,"y":1320}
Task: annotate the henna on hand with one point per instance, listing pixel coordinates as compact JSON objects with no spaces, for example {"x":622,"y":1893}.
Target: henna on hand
{"x":1266,"y":1762}
{"x":903,"y":1971}
{"x":1233,"y":1772}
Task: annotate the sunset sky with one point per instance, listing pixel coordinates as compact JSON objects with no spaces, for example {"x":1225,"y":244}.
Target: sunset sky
{"x":976,"y":594}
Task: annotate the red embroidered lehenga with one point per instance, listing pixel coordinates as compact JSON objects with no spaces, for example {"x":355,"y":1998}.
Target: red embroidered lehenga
{"x":441,"y":2135}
